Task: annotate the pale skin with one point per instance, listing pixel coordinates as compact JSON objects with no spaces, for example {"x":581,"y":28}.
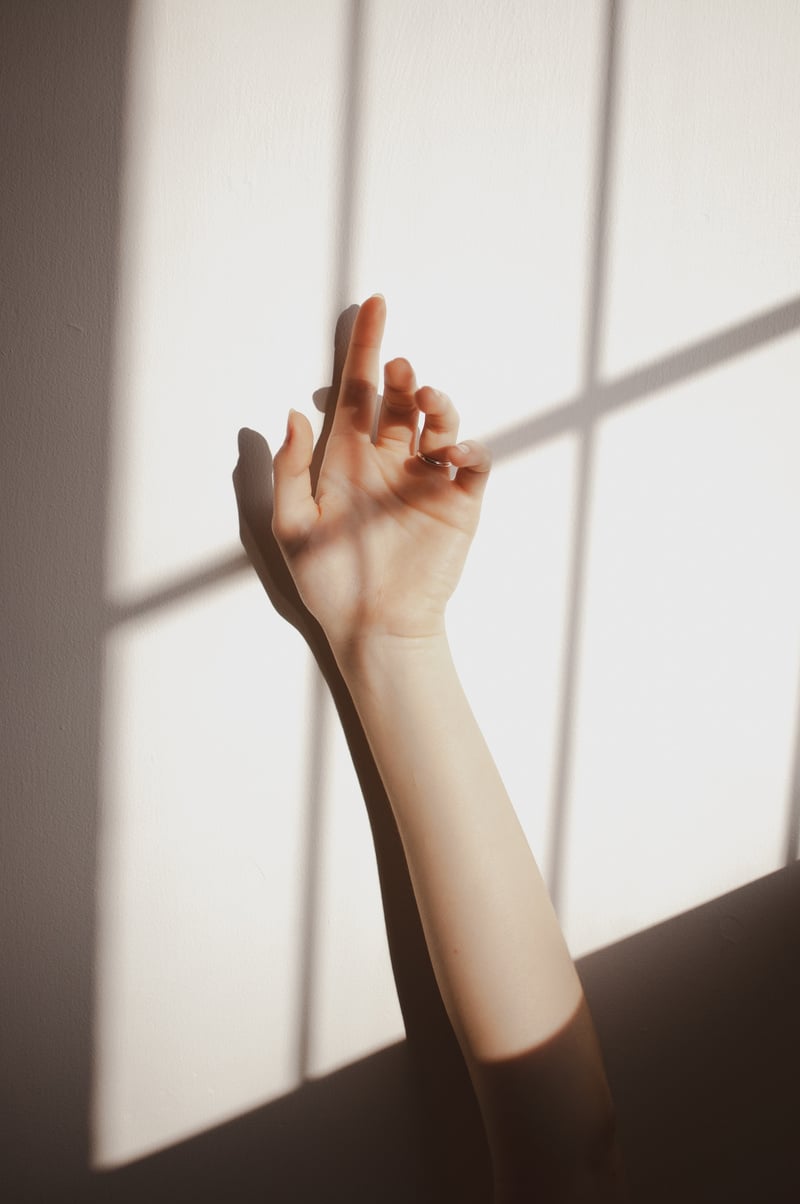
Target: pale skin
{"x":375,"y":552}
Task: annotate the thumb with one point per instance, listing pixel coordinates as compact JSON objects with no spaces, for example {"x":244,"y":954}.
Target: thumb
{"x":295,"y":511}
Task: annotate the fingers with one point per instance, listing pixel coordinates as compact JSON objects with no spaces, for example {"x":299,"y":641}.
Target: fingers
{"x":397,"y":422}
{"x":402,"y":405}
{"x":441,"y":421}
{"x":295,"y":511}
{"x":359,"y":387}
{"x":471,"y":460}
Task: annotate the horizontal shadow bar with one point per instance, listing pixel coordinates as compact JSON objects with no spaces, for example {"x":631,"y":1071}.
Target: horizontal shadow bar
{"x":603,"y":398}
{"x":215,"y":573}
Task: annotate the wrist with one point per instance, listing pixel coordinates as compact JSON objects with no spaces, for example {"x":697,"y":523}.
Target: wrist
{"x":368,"y":655}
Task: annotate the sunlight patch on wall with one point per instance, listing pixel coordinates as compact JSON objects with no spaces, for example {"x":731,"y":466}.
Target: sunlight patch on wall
{"x":225,"y":304}
{"x":479,"y":132}
{"x":507,"y":625}
{"x":354,"y":1006}
{"x":472,"y":164}
{"x":703,"y":230}
{"x":687,"y":699}
{"x":229,"y":229}
{"x":200,"y":859}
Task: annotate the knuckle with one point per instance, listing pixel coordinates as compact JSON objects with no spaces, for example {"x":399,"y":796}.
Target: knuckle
{"x":358,"y":391}
{"x":442,"y":414}
{"x":401,"y":403}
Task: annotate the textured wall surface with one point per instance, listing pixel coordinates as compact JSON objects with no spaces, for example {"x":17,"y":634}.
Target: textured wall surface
{"x":585,"y":221}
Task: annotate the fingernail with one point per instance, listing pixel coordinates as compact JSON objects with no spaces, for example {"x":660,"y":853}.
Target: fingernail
{"x":463,"y":447}
{"x":289,"y":425}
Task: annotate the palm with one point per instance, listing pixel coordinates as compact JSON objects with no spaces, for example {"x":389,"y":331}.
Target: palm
{"x":381,"y":545}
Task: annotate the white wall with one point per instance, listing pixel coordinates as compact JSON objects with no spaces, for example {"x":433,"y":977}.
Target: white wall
{"x":601,"y":267}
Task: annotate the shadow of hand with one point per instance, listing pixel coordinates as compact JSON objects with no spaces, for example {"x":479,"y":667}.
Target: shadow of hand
{"x":252,"y":483}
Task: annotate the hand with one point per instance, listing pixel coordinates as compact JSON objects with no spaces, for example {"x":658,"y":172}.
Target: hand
{"x":380,"y":547}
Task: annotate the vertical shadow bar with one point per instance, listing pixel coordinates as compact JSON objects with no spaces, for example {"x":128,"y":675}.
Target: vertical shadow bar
{"x":587,"y":419}
{"x":315,"y":792}
{"x":348,"y":182}
{"x":793,"y":808}
{"x":320,"y":702}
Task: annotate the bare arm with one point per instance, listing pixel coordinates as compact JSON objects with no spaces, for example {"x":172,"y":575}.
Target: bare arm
{"x":375,"y":553}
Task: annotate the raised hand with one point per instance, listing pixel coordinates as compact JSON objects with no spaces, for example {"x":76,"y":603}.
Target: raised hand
{"x":379,"y":548}
{"x":374,"y":551}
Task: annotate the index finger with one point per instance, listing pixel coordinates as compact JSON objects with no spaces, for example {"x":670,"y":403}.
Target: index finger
{"x":358,"y":391}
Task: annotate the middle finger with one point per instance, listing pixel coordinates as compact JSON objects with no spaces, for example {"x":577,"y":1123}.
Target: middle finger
{"x":397,"y":422}
{"x":440,"y":429}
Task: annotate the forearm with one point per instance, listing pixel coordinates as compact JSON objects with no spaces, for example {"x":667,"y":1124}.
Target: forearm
{"x":502,"y":966}
{"x":377,"y":547}
{"x":500,"y":959}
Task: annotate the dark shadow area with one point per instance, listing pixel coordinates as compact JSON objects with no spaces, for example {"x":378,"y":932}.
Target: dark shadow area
{"x":698,"y":1021}
{"x":551,"y":1123}
{"x":62,"y":83}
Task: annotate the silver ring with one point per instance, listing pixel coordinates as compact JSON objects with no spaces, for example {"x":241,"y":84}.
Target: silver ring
{"x":433,"y":463}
